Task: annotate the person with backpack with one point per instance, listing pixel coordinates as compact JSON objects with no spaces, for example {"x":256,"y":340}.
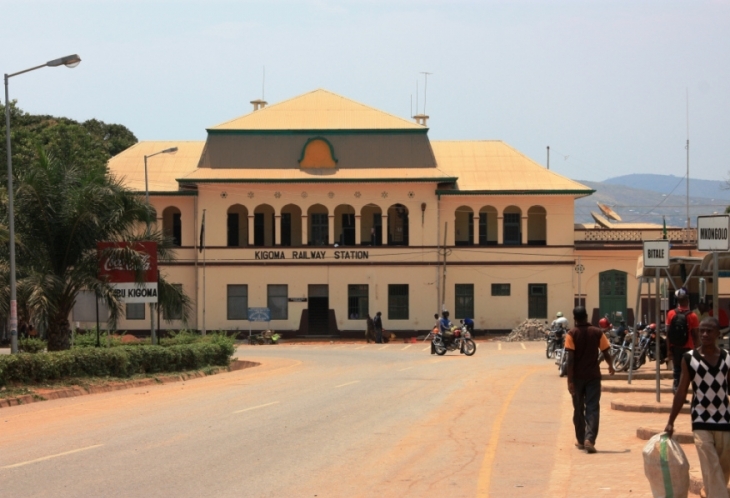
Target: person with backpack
{"x":682,"y":330}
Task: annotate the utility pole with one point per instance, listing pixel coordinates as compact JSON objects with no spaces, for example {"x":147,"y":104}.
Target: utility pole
{"x":443,"y":285}
{"x":548,"y":157}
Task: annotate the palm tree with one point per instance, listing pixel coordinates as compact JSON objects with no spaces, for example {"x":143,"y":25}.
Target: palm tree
{"x":61,"y":212}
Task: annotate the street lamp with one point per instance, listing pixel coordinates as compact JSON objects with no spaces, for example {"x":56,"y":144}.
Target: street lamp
{"x":153,"y":335}
{"x":68,"y":61}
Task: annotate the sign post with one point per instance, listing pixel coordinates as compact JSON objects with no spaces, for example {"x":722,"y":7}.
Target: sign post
{"x":712,"y":235}
{"x":124,"y":277}
{"x":257,"y":315}
{"x":656,"y":255}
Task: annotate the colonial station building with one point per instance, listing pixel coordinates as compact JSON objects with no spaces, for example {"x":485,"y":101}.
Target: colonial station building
{"x":324,"y":209}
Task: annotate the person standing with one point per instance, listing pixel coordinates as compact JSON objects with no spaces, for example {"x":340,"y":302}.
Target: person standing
{"x":707,"y":368}
{"x":434,"y":331}
{"x":378,"y":325}
{"x":584,"y":377}
{"x":682,"y":327}
{"x":370,"y":328}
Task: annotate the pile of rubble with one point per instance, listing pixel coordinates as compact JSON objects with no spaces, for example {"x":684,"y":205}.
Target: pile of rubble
{"x":529,"y":330}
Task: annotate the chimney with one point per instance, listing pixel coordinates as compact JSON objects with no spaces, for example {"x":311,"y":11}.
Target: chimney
{"x":421,"y":119}
{"x":258,"y":104}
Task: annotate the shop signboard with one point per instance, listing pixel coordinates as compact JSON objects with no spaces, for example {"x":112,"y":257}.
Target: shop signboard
{"x":124,"y":278}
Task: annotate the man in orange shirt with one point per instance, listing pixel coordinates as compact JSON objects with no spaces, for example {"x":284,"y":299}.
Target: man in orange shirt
{"x":584,"y":377}
{"x":681,"y":332}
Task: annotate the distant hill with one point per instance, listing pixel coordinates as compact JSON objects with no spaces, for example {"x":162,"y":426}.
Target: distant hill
{"x":643,"y":201}
{"x":664,"y":184}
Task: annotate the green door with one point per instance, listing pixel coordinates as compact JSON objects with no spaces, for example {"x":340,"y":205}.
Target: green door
{"x":612,"y":289}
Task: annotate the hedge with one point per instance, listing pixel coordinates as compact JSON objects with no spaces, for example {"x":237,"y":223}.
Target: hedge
{"x":122,"y":361}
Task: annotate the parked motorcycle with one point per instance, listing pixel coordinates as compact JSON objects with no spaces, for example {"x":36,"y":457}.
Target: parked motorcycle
{"x":458,"y":338}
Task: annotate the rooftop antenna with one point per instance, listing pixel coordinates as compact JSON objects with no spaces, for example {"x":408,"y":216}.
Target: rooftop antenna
{"x":425,"y":89}
{"x":416,"y":97}
{"x":263,"y":84}
{"x":411,"y":105}
{"x":689,"y":223}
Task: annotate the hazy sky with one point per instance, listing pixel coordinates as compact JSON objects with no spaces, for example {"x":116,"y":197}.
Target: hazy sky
{"x":602,"y":82}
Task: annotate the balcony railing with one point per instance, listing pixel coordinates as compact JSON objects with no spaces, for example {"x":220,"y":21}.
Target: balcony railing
{"x":683,"y":235}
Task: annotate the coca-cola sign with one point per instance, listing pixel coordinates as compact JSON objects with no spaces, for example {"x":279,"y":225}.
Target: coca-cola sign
{"x":117,"y":269}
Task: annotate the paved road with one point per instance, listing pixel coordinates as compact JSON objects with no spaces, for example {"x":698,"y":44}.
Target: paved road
{"x":320,"y":421}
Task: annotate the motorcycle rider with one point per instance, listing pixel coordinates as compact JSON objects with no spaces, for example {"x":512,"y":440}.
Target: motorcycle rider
{"x":559,"y":326}
{"x":445,"y":326}
{"x":469,"y":324}
{"x":433,"y":331}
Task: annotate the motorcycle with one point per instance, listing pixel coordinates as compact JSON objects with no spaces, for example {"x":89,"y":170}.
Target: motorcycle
{"x":554,"y":340}
{"x":266,"y":337}
{"x":457,"y":338}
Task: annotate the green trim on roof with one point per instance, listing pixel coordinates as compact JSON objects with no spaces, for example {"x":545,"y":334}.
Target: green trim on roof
{"x":451,"y":179}
{"x":171,"y":193}
{"x":515,"y":192}
{"x":320,"y":131}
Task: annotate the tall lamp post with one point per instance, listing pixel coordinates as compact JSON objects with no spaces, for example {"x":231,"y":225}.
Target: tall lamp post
{"x":153,"y":334}
{"x":68,"y":61}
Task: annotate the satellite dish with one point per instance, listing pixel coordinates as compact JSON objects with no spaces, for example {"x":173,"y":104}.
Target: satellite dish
{"x":608,"y":212}
{"x":601,"y":220}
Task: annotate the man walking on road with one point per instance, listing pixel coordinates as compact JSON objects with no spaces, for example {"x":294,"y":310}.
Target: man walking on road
{"x":682,"y":327}
{"x":369,"y":328}
{"x":378,"y":323}
{"x":707,"y":368}
{"x":584,"y":377}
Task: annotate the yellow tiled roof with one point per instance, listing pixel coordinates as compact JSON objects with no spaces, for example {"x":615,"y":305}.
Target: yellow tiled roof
{"x":318,"y":110}
{"x":162,"y":170}
{"x":492,"y":165}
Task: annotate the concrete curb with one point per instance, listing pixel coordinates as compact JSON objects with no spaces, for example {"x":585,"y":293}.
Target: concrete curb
{"x":664,"y":374}
{"x":647,"y":433}
{"x":118,"y":386}
{"x":626,"y":406}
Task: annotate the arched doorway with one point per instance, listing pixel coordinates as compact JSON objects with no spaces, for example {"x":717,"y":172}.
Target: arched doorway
{"x":237,"y":226}
{"x":612,"y":292}
{"x":263,"y":226}
{"x":291,"y":226}
{"x":345,"y":225}
{"x":488,"y":226}
{"x":371,"y":225}
{"x":397,"y":225}
{"x":464,"y":226}
{"x":172,"y":225}
{"x":537,"y":226}
{"x":318,"y":219}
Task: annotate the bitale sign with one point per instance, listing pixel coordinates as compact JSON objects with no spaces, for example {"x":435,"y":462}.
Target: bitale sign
{"x":124,"y":277}
{"x":656,"y":253}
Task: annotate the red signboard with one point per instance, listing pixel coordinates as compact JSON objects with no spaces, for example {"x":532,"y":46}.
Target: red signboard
{"x":115,"y":270}
{"x":123,"y":276}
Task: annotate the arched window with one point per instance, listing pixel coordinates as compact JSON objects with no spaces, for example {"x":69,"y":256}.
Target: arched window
{"x":537,"y":226}
{"x":371,"y":225}
{"x":291,"y":226}
{"x":318,"y":220}
{"x":464,"y":226}
{"x":172,"y":225}
{"x":263,"y":226}
{"x":237,"y":226}
{"x":512,"y":226}
{"x":488,"y":226}
{"x":397,"y":225}
{"x":345,"y":225}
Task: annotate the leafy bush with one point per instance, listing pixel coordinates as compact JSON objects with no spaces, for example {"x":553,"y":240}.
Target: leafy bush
{"x":88,"y":339}
{"x":121,"y":361}
{"x":182,"y":337}
{"x":32,"y":345}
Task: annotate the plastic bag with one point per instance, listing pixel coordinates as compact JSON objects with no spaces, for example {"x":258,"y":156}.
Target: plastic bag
{"x":666,"y":467}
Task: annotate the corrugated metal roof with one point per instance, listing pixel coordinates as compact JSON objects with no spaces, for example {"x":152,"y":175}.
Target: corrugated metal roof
{"x":492,"y":165}
{"x":318,"y":110}
{"x":162,"y":170}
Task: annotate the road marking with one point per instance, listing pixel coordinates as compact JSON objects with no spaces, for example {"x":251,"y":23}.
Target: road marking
{"x":426,"y":348}
{"x":499,"y":346}
{"x":402,"y":369}
{"x":360,"y":347}
{"x":256,"y":407}
{"x":485,"y":474}
{"x":383,"y":347}
{"x":51,"y":456}
{"x":347,"y":384}
{"x":406,"y":347}
{"x":523,"y":345}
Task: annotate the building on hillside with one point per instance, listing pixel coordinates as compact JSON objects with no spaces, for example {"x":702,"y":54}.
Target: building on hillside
{"x":323,"y":210}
